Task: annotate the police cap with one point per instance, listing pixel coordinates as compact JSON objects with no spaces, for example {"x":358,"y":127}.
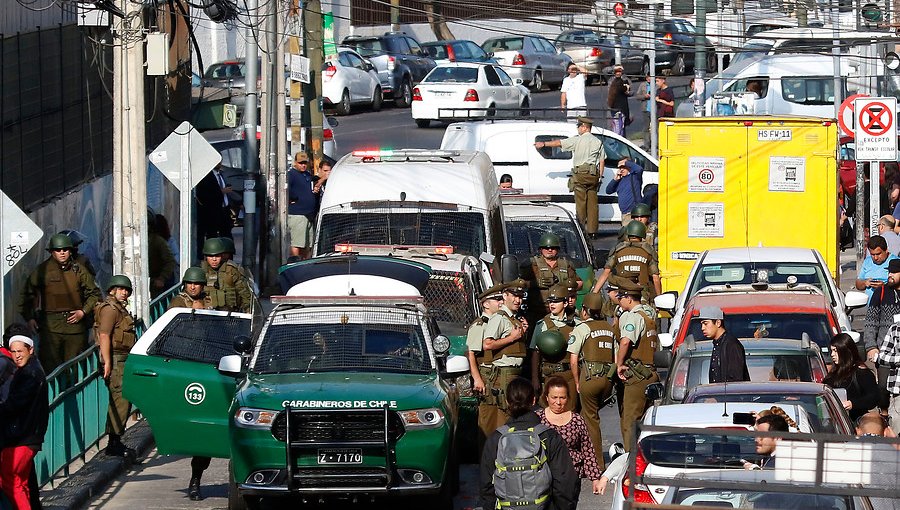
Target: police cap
{"x":630,"y":288}
{"x":516,"y":287}
{"x":585,"y":120}
{"x":494,"y":292}
{"x":557,"y":293}
{"x":592,"y":301}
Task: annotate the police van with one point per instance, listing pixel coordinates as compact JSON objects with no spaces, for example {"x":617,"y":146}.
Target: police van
{"x":337,"y":393}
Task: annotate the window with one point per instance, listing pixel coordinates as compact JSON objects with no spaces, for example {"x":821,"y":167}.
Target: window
{"x":523,"y":236}
{"x":199,"y":337}
{"x":735,"y":274}
{"x":476,"y":51}
{"x":437,"y":51}
{"x":491,"y":75}
{"x":461,"y":51}
{"x":774,"y":325}
{"x":616,"y":150}
{"x":399,"y":45}
{"x":452,"y":75}
{"x":848,"y":151}
{"x":414,"y":48}
{"x":808,"y":90}
{"x":366,"y":47}
{"x":552,"y":152}
{"x":355,"y":61}
{"x":344,"y":59}
{"x":758,"y":84}
{"x":505,"y":44}
{"x":504,"y":78}
{"x":545,"y":46}
{"x":232,"y":157}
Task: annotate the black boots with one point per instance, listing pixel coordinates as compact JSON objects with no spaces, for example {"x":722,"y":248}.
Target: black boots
{"x":117,"y":448}
{"x":194,"y":489}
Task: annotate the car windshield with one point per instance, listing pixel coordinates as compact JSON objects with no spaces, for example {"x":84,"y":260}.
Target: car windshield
{"x":808,"y":90}
{"x":752,"y":50}
{"x":523,"y":236}
{"x":816,"y":407}
{"x":508,"y":43}
{"x":225,"y":70}
{"x":736,"y":273}
{"x":774,"y":325}
{"x":753,"y":498}
{"x":452,"y":75}
{"x":761,"y":366}
{"x":690,"y":451}
{"x":366,"y":47}
{"x":345,"y":340}
{"x":464,"y":231}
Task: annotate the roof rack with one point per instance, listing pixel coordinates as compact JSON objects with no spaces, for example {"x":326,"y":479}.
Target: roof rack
{"x":347,"y":300}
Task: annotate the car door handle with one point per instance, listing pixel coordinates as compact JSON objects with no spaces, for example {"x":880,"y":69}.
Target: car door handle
{"x":145,"y":373}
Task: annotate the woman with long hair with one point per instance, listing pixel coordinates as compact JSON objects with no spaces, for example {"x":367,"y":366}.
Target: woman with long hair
{"x":849,"y":372}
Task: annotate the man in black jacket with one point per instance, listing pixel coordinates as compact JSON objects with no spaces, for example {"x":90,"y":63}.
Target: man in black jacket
{"x":565,"y":485}
{"x":728,"y":363}
{"x":23,"y":415}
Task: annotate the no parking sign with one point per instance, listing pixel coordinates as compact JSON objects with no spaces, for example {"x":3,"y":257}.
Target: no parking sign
{"x":876,"y":128}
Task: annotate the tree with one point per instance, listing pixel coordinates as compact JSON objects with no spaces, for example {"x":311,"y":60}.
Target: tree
{"x":438,"y":24}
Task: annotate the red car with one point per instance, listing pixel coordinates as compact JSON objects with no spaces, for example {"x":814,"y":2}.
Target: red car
{"x":848,"y":166}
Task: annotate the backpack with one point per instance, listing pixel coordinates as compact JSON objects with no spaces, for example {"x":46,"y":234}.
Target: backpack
{"x":522,"y":476}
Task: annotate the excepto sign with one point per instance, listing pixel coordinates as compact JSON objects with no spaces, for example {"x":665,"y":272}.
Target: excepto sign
{"x":876,"y":128}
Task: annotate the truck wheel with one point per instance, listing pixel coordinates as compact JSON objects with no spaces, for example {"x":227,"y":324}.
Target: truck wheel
{"x":404,"y":96}
{"x":343,"y":108}
{"x":377,"y":99}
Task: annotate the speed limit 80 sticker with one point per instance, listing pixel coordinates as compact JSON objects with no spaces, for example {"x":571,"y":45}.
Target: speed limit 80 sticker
{"x":195,"y":393}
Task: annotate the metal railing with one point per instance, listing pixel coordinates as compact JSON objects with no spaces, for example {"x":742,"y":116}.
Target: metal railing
{"x":78,"y":405}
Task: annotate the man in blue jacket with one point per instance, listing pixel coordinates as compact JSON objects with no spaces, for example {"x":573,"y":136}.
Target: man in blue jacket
{"x":301,"y":206}
{"x":627,"y":184}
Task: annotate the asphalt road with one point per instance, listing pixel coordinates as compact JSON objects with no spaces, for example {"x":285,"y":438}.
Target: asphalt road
{"x":160,"y":481}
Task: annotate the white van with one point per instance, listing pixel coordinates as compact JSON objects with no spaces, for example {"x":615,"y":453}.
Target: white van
{"x":546,"y":171}
{"x":413,"y":197}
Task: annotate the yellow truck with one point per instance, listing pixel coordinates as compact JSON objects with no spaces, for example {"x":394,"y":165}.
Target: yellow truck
{"x":745,"y":181}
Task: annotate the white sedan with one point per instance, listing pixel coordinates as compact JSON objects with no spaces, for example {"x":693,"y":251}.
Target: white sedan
{"x":348,"y":79}
{"x":466,"y":90}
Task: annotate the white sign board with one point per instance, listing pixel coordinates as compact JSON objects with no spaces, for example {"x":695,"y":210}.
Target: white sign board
{"x":876,"y":128}
{"x":706,"y":175}
{"x":706,"y":219}
{"x":787,"y":173}
{"x":18,"y":232}
{"x":229,"y":115}
{"x":299,"y":68}
{"x":201,"y":157}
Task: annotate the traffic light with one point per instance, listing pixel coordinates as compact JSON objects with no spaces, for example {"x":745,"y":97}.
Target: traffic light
{"x":871,"y":12}
{"x":619,"y":9}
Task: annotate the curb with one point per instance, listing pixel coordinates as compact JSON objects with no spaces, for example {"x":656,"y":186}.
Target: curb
{"x":96,"y":475}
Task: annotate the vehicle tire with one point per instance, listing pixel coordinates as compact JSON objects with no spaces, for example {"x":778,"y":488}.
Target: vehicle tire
{"x":491,"y":112}
{"x":711,"y":63}
{"x":404,"y":96}
{"x":377,"y":99}
{"x":423,"y":123}
{"x":343,"y":108}
{"x":678,"y":67}
{"x":590,"y":80}
{"x":645,"y":67}
{"x":526,"y":105}
{"x":537,"y":83}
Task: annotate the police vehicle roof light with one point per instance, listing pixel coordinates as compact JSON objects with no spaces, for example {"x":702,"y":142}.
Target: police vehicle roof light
{"x":373,"y":153}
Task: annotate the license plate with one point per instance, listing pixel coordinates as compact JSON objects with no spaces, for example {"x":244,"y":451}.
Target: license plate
{"x":341,"y":456}
{"x":442,"y":93}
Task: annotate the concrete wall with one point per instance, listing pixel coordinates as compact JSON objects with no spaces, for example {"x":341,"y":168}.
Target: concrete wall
{"x":15,"y":17}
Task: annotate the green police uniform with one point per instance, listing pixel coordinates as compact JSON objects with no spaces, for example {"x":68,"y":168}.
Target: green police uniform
{"x":112,"y":318}
{"x":588,"y":157}
{"x":227,"y":287}
{"x":556,"y":365}
{"x":51,"y":293}
{"x":639,"y":326}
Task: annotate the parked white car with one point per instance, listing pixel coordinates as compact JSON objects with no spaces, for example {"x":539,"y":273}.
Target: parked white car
{"x":466,"y":90}
{"x":348,"y":79}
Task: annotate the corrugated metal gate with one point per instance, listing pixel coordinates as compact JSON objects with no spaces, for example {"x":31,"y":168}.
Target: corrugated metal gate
{"x":378,"y":12}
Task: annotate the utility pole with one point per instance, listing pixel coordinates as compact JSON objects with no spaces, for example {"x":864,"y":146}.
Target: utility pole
{"x":129,"y":159}
{"x":314,"y":50}
{"x":273,"y":150}
{"x":654,"y":111}
{"x":251,"y":120}
{"x":700,"y":58}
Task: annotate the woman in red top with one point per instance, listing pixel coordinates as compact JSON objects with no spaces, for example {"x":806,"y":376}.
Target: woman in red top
{"x":573,"y":430}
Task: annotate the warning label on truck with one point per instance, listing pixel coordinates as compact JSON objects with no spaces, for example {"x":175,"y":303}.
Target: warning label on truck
{"x":706,"y":219}
{"x":706,"y":175}
{"x":787,"y":173}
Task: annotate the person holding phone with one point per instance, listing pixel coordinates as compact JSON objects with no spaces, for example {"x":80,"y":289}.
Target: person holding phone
{"x":572,"y":99}
{"x":874,"y":271}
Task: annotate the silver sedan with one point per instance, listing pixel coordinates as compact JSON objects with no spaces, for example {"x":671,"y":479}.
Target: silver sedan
{"x":348,"y":79}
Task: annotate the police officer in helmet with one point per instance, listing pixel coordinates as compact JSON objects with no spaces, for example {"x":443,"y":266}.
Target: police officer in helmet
{"x":192,"y":294}
{"x":548,"y":344}
{"x":226,"y":284}
{"x":633,"y":260}
{"x":642,"y":212}
{"x":548,"y":268}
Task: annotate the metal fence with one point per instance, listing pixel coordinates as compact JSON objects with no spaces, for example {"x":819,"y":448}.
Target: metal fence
{"x":78,"y":405}
{"x":55,"y":112}
{"x":378,"y":12}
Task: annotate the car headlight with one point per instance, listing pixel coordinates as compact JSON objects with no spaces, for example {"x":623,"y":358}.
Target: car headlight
{"x":249,"y":418}
{"x":422,"y":418}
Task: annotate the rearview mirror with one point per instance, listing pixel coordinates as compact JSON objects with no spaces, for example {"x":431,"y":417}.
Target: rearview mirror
{"x":457,"y":365}
{"x":662,"y":359}
{"x":855,"y":299}
{"x":231,"y":365}
{"x":333,"y":121}
{"x":854,"y":335}
{"x":242,"y":344}
{"x":654,"y":391}
{"x":666,"y":339}
{"x":509,"y":267}
{"x":666,"y":301}
{"x":743,"y":419}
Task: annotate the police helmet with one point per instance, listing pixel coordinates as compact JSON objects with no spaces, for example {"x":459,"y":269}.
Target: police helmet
{"x":636,"y":229}
{"x":551,"y":343}
{"x":76,"y":236}
{"x":59,"y":241}
{"x":592,"y":301}
{"x":119,"y":280}
{"x":229,"y":244}
{"x":558,"y":292}
{"x":641,"y":210}
{"x":214,"y":246}
{"x":549,"y":240}
{"x":194,"y":275}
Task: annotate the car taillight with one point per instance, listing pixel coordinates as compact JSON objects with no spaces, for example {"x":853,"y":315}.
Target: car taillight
{"x":817,"y":373}
{"x":679,"y":382}
{"x":667,"y":39}
{"x":327,"y":134}
{"x":471,"y":95}
{"x":641,"y":494}
{"x":328,"y":73}
{"x":519,"y":60}
{"x":417,"y":95}
{"x":596,"y":52}
{"x":451,"y":55}
{"x":391,"y":62}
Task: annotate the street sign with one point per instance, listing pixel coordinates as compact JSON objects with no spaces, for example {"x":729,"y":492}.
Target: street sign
{"x":229,"y":115}
{"x":845,"y":115}
{"x":876,"y":129}
{"x":17,"y":232}
{"x":185,"y":149}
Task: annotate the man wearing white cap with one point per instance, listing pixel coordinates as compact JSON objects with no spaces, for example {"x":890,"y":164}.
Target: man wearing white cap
{"x":729,"y":362}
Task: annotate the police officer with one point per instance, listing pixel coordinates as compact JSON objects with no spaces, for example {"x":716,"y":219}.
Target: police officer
{"x":588,"y":156}
{"x":634,"y":360}
{"x":192,"y":294}
{"x":548,"y":269}
{"x":642,"y":212}
{"x":635,"y":261}
{"x":114,"y":328}
{"x":504,"y":349}
{"x":58,"y":295}
{"x":229,"y":254}
{"x":591,"y":349}
{"x":226,"y":285}
{"x":548,"y":345}
{"x":491,"y":300}
{"x":77,"y":239}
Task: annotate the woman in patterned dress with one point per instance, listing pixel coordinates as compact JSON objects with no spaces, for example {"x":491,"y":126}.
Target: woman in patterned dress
{"x":573,"y":429}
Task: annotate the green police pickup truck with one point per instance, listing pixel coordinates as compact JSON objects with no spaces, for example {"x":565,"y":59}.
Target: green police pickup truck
{"x":342,"y":388}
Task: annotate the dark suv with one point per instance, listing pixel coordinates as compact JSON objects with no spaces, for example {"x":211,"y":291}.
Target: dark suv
{"x":675,"y":46}
{"x":398,"y":59}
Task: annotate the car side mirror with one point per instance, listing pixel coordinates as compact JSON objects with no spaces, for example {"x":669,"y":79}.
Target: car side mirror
{"x":665,"y":340}
{"x":242,"y":344}
{"x":854,"y":335}
{"x":663,"y":358}
{"x":333,"y":121}
{"x":457,"y":365}
{"x":855,"y":299}
{"x":666,"y":301}
{"x":519,"y":81}
{"x":509,"y":267}
{"x":654,"y":391}
{"x":231,"y":365}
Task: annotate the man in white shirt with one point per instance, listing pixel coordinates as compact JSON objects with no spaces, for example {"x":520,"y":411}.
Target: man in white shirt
{"x":572,"y":98}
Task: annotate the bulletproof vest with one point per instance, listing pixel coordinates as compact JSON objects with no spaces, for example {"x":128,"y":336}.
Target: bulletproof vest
{"x":564,"y":330}
{"x":184,"y":300}
{"x":647,"y":343}
{"x":123,"y":336}
{"x":545,"y":276}
{"x":220,"y":287}
{"x":61,"y":287}
{"x":633,"y":262}
{"x":599,"y":346}
{"x":515,"y":349}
